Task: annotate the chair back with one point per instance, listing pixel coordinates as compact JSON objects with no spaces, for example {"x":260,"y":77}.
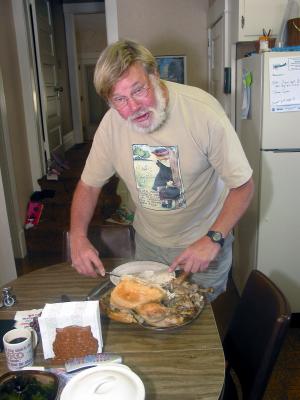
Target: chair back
{"x":255,"y":336}
{"x":110,"y":240}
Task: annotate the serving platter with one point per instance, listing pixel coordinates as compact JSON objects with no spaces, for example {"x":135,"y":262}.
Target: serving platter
{"x":174,"y":327}
{"x":104,"y":304}
{"x":141,"y":269}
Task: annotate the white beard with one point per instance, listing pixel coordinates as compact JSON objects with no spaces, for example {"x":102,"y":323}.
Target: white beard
{"x":158,"y":113}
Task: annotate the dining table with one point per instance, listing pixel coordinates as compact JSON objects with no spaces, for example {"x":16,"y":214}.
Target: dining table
{"x":185,"y":363}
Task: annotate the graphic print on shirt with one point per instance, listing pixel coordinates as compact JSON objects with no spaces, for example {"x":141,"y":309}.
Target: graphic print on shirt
{"x":158,"y":178}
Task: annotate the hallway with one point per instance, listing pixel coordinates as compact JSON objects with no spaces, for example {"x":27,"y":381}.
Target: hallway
{"x":45,"y":240}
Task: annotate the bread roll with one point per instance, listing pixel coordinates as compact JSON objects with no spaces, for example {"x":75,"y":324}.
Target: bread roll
{"x":131,"y":293}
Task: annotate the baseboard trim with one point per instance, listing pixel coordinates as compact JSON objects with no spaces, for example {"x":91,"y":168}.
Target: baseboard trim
{"x":68,"y":140}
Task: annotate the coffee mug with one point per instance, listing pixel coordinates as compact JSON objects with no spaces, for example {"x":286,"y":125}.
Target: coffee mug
{"x":18,"y":345}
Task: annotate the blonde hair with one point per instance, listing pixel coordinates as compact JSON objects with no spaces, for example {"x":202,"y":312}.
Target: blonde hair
{"x":116,"y":59}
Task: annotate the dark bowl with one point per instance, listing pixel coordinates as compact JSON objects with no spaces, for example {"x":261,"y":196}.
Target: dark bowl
{"x":27,"y":383}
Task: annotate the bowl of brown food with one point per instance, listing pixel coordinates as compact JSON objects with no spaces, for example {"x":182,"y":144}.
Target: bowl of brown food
{"x":28,"y":385}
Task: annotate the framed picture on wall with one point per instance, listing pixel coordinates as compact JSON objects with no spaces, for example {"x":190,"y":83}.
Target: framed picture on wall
{"x":172,"y":68}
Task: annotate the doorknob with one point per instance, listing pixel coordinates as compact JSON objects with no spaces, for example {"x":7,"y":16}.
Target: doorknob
{"x":58,"y":89}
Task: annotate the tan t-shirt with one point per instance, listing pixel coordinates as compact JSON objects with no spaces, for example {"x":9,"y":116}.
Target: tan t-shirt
{"x":179,"y":175}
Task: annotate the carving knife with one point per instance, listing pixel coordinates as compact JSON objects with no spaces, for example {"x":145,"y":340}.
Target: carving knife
{"x":94,"y":293}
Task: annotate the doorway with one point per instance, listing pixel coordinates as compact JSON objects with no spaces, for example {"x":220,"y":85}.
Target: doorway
{"x":86,"y":37}
{"x":91,"y":39}
{"x":93,"y":106}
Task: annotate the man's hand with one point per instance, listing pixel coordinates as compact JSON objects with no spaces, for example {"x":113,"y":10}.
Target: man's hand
{"x":197,"y":257}
{"x":85,"y":258}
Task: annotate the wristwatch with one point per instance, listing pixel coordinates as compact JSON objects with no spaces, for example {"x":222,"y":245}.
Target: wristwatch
{"x":216,"y":237}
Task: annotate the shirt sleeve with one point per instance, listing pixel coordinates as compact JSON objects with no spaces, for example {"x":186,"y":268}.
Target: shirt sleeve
{"x":99,"y":166}
{"x":226,"y":154}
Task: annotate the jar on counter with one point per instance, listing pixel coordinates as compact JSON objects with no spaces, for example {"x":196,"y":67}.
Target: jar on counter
{"x":263,"y":44}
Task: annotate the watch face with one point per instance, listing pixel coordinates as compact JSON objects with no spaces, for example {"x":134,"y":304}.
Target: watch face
{"x":217,"y":236}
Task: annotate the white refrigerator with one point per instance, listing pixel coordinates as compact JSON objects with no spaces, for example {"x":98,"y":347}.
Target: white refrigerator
{"x":268,"y":236}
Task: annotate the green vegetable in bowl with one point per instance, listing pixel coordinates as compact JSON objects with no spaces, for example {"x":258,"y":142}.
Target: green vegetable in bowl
{"x":26,"y":388}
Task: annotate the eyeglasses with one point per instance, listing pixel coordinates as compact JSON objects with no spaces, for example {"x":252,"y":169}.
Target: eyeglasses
{"x":138,"y":94}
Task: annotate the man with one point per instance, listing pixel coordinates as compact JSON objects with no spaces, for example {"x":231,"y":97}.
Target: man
{"x":181,"y":160}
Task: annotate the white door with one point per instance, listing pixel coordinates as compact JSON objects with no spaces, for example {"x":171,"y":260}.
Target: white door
{"x":217,"y":63}
{"x":47,"y":76}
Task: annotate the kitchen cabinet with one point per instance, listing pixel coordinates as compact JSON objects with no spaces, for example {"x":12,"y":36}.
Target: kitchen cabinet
{"x":231,"y":22}
{"x":250,"y":17}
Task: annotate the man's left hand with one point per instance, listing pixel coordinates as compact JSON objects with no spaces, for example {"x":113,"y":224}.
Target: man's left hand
{"x":197,"y":257}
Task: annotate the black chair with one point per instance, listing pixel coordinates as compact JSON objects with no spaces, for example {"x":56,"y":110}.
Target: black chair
{"x":110,"y":240}
{"x":254,"y":338}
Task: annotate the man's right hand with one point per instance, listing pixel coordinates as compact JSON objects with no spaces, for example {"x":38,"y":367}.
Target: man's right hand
{"x":85,"y":258}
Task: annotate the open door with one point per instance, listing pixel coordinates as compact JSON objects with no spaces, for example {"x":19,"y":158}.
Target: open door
{"x":48,"y":85}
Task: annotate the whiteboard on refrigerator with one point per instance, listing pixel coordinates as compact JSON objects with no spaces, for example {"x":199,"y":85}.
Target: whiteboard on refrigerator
{"x":284,"y":83}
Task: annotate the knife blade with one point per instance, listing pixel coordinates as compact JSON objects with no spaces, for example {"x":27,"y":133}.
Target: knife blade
{"x":94,"y":293}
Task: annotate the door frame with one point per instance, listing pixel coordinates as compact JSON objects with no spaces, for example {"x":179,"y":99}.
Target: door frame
{"x":15,"y":234}
{"x":86,"y":59}
{"x":29,"y":84}
{"x":8,"y":267}
{"x":221,"y":10}
{"x":111,"y":17}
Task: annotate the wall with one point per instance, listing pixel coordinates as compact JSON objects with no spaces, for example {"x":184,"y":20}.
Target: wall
{"x":90,"y":33}
{"x":169,"y":27}
{"x":15,"y":113}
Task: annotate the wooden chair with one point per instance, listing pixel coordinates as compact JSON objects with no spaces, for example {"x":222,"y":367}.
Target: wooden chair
{"x":254,"y":338}
{"x":110,"y":240}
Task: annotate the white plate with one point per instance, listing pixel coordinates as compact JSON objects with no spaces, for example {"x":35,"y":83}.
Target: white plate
{"x":142,"y":269}
{"x":105,"y":382}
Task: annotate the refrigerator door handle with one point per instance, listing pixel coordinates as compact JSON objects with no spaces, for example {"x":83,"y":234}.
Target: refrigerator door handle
{"x":287,"y":150}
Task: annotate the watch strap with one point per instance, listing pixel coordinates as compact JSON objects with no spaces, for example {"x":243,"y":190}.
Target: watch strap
{"x":216,"y":237}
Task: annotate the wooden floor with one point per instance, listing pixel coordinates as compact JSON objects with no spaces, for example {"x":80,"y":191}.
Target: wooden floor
{"x":45,"y":248}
